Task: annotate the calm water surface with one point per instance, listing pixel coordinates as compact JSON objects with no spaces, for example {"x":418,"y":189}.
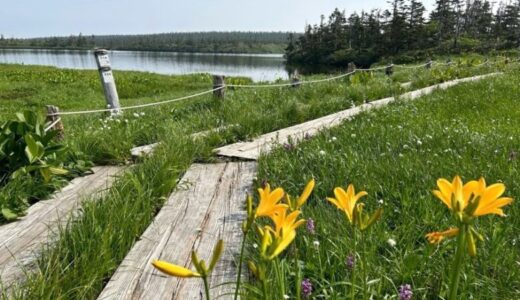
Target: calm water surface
{"x":260,"y":67}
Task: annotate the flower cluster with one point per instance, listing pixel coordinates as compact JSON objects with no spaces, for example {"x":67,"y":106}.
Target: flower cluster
{"x":275,"y":238}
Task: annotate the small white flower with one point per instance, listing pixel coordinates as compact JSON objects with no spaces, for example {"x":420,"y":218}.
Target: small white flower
{"x":255,"y":245}
{"x":126,"y":120}
{"x":353,"y":135}
{"x":108,"y":127}
{"x":401,"y":155}
{"x":399,"y":126}
{"x":334,"y":138}
{"x":142,"y":113}
{"x":380,"y":201}
{"x":136,"y":115}
{"x":419,"y":142}
{"x":405,"y":146}
{"x":316,"y":244}
{"x":286,"y":297}
{"x":322,"y":152}
{"x":109,"y":106}
{"x":391,"y":242}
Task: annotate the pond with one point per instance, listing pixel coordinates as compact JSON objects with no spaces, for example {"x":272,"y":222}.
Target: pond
{"x":259,"y":67}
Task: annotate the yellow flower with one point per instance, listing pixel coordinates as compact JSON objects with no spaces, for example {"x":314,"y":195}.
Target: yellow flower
{"x":296,"y":205}
{"x":174,"y":270}
{"x":305,"y":194}
{"x":490,"y":200}
{"x":286,"y":223}
{"x":346,"y":201}
{"x":436,"y":237}
{"x":269,"y":202}
{"x":275,"y":241}
{"x":473,"y":198}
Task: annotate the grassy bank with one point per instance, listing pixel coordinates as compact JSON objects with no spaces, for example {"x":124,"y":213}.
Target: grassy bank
{"x":396,"y":154}
{"x":90,"y":248}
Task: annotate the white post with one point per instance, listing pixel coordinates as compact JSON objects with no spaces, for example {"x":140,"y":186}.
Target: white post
{"x":107,"y":80}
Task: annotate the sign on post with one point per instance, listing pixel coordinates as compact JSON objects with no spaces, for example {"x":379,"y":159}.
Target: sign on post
{"x":107,"y":81}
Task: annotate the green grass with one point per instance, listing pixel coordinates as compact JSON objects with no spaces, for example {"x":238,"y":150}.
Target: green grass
{"x":396,"y":154}
{"x":89,"y":249}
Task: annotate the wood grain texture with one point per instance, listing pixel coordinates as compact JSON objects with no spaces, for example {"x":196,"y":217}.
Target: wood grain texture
{"x":208,"y":204}
{"x":265,"y":143}
{"x":21,"y":241}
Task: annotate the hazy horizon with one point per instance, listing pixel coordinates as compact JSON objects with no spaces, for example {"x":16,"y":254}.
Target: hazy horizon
{"x":119,"y":17}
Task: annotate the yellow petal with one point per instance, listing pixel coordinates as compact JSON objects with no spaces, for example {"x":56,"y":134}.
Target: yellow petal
{"x":445,"y":200}
{"x":283,"y":244}
{"x":493,"y":207}
{"x":492,"y":193}
{"x":306,"y":193}
{"x":174,"y":270}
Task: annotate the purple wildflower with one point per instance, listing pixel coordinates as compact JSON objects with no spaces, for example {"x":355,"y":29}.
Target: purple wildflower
{"x":310,"y":226}
{"x":288,"y":146}
{"x":350,"y":262}
{"x":405,"y":292}
{"x":306,"y":288}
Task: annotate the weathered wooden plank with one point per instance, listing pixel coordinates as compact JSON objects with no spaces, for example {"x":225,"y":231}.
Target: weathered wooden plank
{"x":207,"y":204}
{"x":265,"y":143}
{"x":20,"y":241}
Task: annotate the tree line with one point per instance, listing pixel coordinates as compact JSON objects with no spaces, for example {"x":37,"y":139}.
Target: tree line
{"x":228,"y":42}
{"x":404,"y":33}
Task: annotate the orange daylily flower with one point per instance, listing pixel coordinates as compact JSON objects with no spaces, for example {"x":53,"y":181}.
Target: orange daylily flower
{"x":436,"y":237}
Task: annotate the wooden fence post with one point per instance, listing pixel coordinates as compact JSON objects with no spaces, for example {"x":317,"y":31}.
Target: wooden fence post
{"x":295,"y":79}
{"x":107,"y":80}
{"x":53,"y":116}
{"x":389,"y":70}
{"x":219,"y":82}
{"x":351,"y":67}
{"x":429,"y":64}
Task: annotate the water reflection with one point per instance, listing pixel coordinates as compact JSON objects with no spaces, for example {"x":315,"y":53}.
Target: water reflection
{"x":259,"y":67}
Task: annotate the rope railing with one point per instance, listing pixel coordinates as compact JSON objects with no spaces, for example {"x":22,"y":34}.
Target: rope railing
{"x":50,"y":126}
{"x":82,"y":112}
{"x":113,"y":110}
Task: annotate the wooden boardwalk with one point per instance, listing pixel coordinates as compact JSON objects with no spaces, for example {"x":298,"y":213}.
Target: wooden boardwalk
{"x":265,"y":143}
{"x":208,"y":204}
{"x":21,"y":241}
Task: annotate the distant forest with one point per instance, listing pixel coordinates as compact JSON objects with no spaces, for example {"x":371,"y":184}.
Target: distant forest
{"x":221,"y":42}
{"x":404,"y":33}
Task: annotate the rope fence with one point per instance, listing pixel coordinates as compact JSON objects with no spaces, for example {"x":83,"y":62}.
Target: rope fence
{"x":223,"y":86}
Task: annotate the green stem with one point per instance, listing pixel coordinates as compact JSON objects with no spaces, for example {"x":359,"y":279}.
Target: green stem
{"x":457,"y":264}
{"x":279,"y":277}
{"x":364,"y":265}
{"x":298,"y":274}
{"x":240,"y":263}
{"x":353,"y":280}
{"x":264,"y":289}
{"x":206,"y":286}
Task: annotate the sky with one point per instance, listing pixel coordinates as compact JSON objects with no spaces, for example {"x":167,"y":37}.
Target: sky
{"x":34,"y":18}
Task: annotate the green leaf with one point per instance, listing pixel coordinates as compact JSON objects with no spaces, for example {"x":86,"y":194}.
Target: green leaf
{"x":8,"y":214}
{"x":34,"y":150}
{"x":58,"y":171}
{"x":46,"y":174}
